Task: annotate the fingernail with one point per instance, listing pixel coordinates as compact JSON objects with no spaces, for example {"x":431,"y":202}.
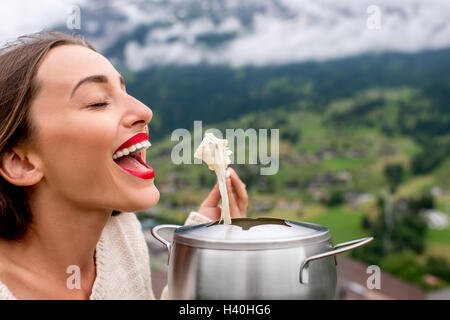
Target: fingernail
{"x":227,"y":174}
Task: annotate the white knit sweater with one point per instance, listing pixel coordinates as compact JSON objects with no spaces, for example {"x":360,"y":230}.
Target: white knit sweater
{"x":122,"y":261}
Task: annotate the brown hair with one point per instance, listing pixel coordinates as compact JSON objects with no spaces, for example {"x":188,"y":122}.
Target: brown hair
{"x":19,"y":62}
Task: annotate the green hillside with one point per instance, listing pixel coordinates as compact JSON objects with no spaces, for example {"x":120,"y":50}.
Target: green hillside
{"x":323,"y":157}
{"x":178,"y":95}
{"x":342,"y":150}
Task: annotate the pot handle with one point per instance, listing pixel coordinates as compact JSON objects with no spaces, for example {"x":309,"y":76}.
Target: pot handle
{"x":155,"y":232}
{"x":339,"y":248}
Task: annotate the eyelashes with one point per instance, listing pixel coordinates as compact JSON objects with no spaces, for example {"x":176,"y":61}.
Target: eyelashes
{"x":98,"y":105}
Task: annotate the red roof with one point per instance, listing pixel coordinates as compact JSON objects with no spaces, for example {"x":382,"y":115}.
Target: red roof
{"x":352,"y":279}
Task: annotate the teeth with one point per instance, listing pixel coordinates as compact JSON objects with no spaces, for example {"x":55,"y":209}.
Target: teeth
{"x":136,"y":147}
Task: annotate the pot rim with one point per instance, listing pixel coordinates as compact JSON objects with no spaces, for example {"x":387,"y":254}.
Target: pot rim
{"x":182,"y":237}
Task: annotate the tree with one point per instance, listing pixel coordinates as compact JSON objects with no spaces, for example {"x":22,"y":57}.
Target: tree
{"x":336,"y":198}
{"x":405,"y":266}
{"x":290,"y":134}
{"x":406,"y":233}
{"x":395,"y":174}
{"x":425,"y":201}
{"x":433,"y":155}
{"x":438,"y":267}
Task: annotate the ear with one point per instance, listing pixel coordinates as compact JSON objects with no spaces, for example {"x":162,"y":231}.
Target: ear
{"x":20,"y":168}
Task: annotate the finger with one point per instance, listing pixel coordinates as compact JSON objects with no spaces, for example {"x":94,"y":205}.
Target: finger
{"x":234,"y":208}
{"x":240,"y":191}
{"x":238,"y":184}
{"x":212,"y":200}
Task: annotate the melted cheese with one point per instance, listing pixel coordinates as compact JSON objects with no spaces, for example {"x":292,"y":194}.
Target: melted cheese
{"x":215,"y":153}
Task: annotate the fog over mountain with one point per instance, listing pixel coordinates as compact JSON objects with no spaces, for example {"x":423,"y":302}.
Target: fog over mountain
{"x":143,"y":33}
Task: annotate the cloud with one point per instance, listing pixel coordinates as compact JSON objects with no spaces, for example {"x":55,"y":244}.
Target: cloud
{"x":251,"y":32}
{"x":313,"y":30}
{"x":28,"y":16}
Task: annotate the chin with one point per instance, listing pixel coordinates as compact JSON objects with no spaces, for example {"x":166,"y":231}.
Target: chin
{"x":141,"y":201}
{"x":153,"y":198}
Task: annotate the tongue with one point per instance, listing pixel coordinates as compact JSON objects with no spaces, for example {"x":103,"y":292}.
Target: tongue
{"x":130,"y":163}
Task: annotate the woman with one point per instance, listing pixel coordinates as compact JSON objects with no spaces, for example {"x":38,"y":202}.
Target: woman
{"x":66,"y":197}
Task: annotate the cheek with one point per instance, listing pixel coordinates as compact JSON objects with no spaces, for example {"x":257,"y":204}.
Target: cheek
{"x":76,"y":148}
{"x":76,"y":151}
{"x":79,"y":166}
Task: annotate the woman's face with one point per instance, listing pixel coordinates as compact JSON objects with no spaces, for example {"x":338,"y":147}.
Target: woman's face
{"x":81,"y":125}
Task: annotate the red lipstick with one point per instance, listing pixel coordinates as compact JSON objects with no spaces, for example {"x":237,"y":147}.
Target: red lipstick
{"x":139,"y":137}
{"x":135,"y":164}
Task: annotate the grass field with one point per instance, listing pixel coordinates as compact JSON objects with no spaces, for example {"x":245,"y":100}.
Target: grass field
{"x":338,"y":164}
{"x":437,"y":250}
{"x":439,"y":236}
{"x":414,"y":186}
{"x":344,"y":225}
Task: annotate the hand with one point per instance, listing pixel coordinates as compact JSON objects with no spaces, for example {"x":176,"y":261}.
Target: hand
{"x":237,"y":197}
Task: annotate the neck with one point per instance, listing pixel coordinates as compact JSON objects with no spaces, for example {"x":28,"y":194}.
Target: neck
{"x":60,"y":235}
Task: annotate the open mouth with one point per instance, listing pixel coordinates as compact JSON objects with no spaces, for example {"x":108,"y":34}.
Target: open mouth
{"x":130,"y":156}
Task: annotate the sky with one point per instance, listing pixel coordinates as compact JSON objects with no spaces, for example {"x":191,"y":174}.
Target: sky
{"x":307,"y":30}
{"x":26,"y":16}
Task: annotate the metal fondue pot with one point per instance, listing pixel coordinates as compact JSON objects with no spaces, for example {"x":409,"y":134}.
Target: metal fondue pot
{"x":263,"y":258}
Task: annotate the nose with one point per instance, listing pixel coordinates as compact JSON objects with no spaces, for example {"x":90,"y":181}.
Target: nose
{"x":137,"y":114}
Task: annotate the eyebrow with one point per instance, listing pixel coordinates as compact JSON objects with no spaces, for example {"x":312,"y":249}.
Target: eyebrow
{"x":98,"y":78}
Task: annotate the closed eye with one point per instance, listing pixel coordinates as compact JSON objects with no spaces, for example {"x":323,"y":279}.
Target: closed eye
{"x":100,"y":104}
